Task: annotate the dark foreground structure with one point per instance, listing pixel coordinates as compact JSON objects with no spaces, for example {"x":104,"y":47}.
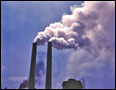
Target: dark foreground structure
{"x":49,"y":67}
{"x":32,"y":68}
{"x":72,"y":84}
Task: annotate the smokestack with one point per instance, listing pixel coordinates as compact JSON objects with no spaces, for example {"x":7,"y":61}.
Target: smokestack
{"x":49,"y":67}
{"x":32,"y":68}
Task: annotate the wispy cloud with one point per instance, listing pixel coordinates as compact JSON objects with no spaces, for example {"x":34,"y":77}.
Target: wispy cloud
{"x":17,"y":78}
{"x":3,"y":68}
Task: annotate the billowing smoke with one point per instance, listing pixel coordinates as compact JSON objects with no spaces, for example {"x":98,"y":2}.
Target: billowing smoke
{"x":99,"y":21}
{"x":90,"y":29}
{"x":81,"y":28}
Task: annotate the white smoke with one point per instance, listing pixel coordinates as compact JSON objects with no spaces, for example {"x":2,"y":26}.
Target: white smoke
{"x":99,"y":21}
{"x":90,"y":30}
{"x":80,"y":28}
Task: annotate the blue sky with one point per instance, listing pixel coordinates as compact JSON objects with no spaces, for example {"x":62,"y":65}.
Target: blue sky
{"x":20,"y":23}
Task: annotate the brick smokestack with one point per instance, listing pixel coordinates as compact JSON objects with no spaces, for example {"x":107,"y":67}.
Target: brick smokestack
{"x":49,"y":67}
{"x":32,"y":68}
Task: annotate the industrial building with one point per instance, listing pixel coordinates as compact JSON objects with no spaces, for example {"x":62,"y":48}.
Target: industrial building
{"x":72,"y":84}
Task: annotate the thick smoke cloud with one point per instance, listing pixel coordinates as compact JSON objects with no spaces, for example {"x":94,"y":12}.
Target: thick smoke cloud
{"x":99,"y":21}
{"x":90,"y":30}
{"x":79,"y":29}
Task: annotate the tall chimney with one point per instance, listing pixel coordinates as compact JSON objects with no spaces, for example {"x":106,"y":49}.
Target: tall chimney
{"x":32,"y":68}
{"x":49,"y":67}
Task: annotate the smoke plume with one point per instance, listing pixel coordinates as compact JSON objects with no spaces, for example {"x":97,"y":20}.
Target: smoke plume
{"x":81,"y":28}
{"x":99,"y":21}
{"x":90,"y":31}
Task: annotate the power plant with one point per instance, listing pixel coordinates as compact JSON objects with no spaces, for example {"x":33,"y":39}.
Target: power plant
{"x":70,"y":84}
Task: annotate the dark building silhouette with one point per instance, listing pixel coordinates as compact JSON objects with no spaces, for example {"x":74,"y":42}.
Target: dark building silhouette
{"x":24,"y":84}
{"x":72,"y":84}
